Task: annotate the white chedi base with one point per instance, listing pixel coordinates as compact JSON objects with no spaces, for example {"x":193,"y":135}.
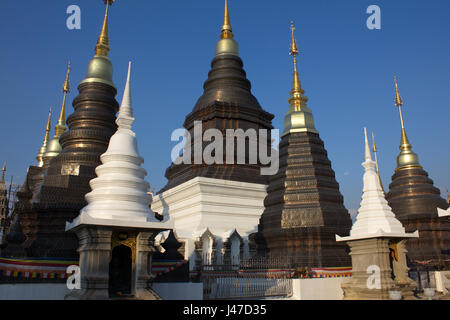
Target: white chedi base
{"x":214,"y":205}
{"x":443,"y":213}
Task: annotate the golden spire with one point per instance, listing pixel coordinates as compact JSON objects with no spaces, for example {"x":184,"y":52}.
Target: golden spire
{"x":227,"y":32}
{"x":102,"y":47}
{"x":3,"y":172}
{"x":43,"y":149}
{"x":297,"y":99}
{"x":407,"y":158}
{"x":375,"y":150}
{"x":61,"y":125}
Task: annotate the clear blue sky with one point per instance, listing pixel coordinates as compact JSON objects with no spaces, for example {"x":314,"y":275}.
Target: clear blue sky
{"x":346,"y":70}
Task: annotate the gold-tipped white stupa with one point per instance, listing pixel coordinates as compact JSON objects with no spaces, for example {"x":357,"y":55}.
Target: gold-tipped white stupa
{"x":375,"y":217}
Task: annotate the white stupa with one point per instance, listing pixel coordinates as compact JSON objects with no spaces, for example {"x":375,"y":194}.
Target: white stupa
{"x":375,"y":217}
{"x":119,"y":193}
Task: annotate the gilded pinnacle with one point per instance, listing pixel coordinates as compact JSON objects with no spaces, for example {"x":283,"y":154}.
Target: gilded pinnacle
{"x":294,"y":48}
{"x":398,"y":99}
{"x":3,"y":172}
{"x":297,"y":99}
{"x":407,"y":158}
{"x":374,"y":147}
{"x":100,"y":69}
{"x":102,"y":47}
{"x":66,"y":86}
{"x":299,"y":117}
{"x":226,"y":28}
{"x":43,"y":149}
{"x":61,"y":125}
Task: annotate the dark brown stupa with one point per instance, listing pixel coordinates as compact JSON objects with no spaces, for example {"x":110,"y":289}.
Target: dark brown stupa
{"x":22,"y":231}
{"x":61,"y":195}
{"x":414,"y":200}
{"x":227,"y":103}
{"x":304,"y":209}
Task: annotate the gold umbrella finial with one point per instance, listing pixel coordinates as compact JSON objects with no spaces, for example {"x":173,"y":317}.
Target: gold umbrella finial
{"x":294,"y":49}
{"x":102,"y":47}
{"x":61,"y":125}
{"x":49,"y":121}
{"x":297,"y":99}
{"x":227,"y":32}
{"x":398,"y":99}
{"x":3,"y":172}
{"x":66,"y":86}
{"x":407,"y":158}
{"x":43,"y":150}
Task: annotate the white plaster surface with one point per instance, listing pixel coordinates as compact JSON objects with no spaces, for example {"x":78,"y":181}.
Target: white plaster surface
{"x":317,"y":289}
{"x":33,"y":291}
{"x":443,"y":213}
{"x":220,"y":206}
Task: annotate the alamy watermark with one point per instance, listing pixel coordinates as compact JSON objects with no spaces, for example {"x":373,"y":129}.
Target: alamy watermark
{"x":74,"y":280}
{"x":213,"y":153}
{"x":374,"y":20}
{"x":74,"y":20}
{"x":374,"y":280}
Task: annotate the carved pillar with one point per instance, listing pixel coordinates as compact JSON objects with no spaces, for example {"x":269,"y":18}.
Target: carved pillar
{"x":95,"y":254}
{"x":144,"y":253}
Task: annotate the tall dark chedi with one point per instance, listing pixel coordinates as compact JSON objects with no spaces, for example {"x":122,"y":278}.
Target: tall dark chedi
{"x":414,"y":200}
{"x":66,"y":182}
{"x":227,"y":103}
{"x":304,"y":208}
{"x":22,"y":229}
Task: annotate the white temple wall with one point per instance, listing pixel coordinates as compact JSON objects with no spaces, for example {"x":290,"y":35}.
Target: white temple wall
{"x":33,"y":291}
{"x":219,"y":206}
{"x":317,"y":289}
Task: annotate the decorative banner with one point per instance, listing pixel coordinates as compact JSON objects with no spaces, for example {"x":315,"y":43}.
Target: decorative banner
{"x":35,"y":268}
{"x":160,"y":267}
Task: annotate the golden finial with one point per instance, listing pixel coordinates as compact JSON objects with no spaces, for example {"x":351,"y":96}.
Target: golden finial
{"x":102,"y":47}
{"x":375,"y":150}
{"x":407,"y":158}
{"x":43,"y":149}
{"x":294,"y":49}
{"x":3,"y":172}
{"x":226,"y":28}
{"x":398,"y":99}
{"x":66,"y":86}
{"x":61,"y":125}
{"x":297,"y":99}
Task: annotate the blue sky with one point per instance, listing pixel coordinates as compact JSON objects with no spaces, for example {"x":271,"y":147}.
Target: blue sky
{"x":346,"y":70}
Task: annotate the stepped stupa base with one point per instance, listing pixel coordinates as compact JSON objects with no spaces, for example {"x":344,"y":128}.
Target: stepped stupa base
{"x":373,"y":278}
